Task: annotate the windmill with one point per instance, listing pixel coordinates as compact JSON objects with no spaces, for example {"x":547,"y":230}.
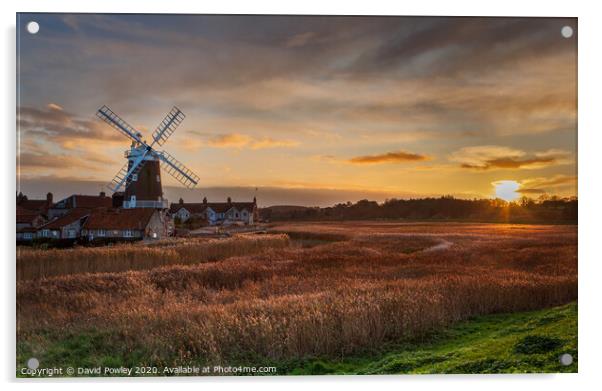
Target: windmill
{"x":141,"y":175}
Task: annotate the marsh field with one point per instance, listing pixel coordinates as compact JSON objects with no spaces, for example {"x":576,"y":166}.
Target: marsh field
{"x":310,"y":298}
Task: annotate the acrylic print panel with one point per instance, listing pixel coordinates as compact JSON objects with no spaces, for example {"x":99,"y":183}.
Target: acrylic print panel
{"x":225,"y":194}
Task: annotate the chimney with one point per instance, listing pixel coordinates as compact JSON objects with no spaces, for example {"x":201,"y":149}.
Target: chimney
{"x":49,"y":198}
{"x":117,"y":200}
{"x":229,"y":200}
{"x":103,"y":194}
{"x":181,"y":201}
{"x":204,"y":200}
{"x":254,"y":200}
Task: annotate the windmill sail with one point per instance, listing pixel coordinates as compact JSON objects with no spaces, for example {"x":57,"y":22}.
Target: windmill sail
{"x":124,"y":174}
{"x":169,"y":124}
{"x":116,"y":122}
{"x":178,"y":170}
{"x":143,"y":159}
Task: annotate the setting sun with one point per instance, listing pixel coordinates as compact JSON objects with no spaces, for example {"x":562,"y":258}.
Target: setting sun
{"x":506,"y":190}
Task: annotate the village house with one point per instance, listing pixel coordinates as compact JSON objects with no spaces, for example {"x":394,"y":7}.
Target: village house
{"x":89,"y":202}
{"x":66,"y":227}
{"x":30,"y":215}
{"x":216,"y":213}
{"x":40,"y":206}
{"x":29,"y":218}
{"x":126,"y":225}
{"x":27,"y":223}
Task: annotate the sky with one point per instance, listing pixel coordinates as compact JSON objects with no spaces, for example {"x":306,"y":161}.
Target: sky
{"x":306,"y":110}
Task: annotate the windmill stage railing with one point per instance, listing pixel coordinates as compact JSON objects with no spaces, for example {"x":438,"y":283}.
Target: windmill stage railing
{"x":162,"y":204}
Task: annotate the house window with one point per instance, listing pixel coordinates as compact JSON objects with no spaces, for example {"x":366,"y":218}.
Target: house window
{"x":101,"y":232}
{"x":134,"y":177}
{"x":236,"y":215}
{"x":127,"y":233}
{"x":158,"y":178}
{"x":45,"y":233}
{"x":71,"y":233}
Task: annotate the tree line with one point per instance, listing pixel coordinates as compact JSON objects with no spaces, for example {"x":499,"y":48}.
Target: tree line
{"x":524,"y":210}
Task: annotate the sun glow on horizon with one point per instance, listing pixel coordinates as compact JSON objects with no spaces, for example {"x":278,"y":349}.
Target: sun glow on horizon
{"x":507,"y":190}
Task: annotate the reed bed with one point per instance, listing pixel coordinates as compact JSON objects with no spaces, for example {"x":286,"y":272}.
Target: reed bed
{"x":330,"y":300}
{"x":35,"y":264}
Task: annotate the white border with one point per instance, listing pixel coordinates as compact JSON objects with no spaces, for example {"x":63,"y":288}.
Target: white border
{"x":590,"y":189}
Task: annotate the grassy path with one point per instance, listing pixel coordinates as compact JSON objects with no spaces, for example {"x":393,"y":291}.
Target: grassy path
{"x":506,"y":343}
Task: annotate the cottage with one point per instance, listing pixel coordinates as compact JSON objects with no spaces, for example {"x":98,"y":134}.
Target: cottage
{"x":126,"y":224}
{"x":29,"y":218}
{"x":39,"y":206}
{"x":89,"y":202}
{"x":217,"y":213}
{"x":26,"y":235}
{"x":67,"y":227}
{"x":27,"y":223}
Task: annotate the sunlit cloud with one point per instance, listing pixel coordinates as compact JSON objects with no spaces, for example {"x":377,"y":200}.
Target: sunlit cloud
{"x":542,"y":185}
{"x":389,"y":157}
{"x":54,"y":106}
{"x":491,"y":157}
{"x":237,"y":140}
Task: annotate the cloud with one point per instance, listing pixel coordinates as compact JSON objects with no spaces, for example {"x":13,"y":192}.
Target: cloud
{"x":299,"y":40}
{"x":558,"y":183}
{"x":389,"y":157}
{"x":491,"y":157}
{"x":452,"y":46}
{"x":58,"y":126}
{"x":54,"y":106}
{"x":237,"y":140}
{"x":41,"y":162}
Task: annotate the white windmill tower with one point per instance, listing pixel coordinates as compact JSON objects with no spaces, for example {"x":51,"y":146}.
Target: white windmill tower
{"x":141,"y":175}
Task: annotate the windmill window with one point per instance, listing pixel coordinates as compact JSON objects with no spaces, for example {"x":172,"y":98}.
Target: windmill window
{"x":158,"y":178}
{"x":134,"y":177}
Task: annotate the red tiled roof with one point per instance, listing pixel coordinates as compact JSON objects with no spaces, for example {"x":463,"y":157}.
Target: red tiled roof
{"x":119,"y":219}
{"x":191,"y":207}
{"x":34,"y":205}
{"x":219,"y":207}
{"x":26,"y":216}
{"x":69,"y":218}
{"x":86,"y":201}
{"x":27,"y":229}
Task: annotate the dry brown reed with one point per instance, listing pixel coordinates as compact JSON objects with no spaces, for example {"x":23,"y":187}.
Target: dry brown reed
{"x":331,"y":300}
{"x":34,"y":263}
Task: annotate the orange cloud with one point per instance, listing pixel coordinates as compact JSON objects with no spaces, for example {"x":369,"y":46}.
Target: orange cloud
{"x":489,"y":157}
{"x":546,"y":185}
{"x":389,"y":157}
{"x":54,"y":106}
{"x":236,"y":140}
